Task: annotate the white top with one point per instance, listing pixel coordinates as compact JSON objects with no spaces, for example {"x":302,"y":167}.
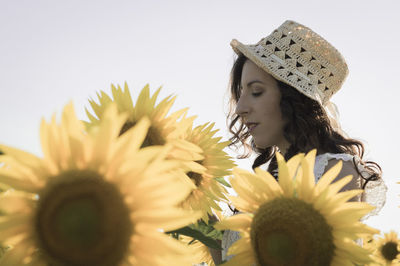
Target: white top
{"x":374,"y":193}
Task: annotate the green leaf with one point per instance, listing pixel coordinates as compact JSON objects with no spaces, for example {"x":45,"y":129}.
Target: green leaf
{"x":208,"y":229}
{"x":196,"y":234}
{"x":222,"y":181}
{"x":3,"y":250}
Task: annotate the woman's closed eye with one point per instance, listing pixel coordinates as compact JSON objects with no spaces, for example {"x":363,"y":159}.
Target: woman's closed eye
{"x":256,"y":94}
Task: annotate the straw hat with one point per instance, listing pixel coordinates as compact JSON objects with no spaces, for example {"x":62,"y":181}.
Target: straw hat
{"x":299,"y":57}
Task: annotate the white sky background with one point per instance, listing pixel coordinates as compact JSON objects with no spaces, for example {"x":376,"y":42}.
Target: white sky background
{"x":52,"y":52}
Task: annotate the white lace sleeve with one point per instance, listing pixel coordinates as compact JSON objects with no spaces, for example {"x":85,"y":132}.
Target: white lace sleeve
{"x":321,"y":161}
{"x":374,"y":192}
{"x":228,"y":239}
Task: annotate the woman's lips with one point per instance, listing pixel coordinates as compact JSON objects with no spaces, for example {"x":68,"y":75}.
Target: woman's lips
{"x":251,"y":126}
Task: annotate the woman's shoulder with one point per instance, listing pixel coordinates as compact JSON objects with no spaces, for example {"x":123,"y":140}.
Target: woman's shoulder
{"x":350,"y":166}
{"x":324,"y":161}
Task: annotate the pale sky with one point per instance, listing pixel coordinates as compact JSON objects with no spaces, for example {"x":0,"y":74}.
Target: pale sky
{"x":52,"y":52}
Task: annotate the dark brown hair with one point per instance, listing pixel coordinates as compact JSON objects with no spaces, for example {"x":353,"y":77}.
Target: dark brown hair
{"x":307,"y":127}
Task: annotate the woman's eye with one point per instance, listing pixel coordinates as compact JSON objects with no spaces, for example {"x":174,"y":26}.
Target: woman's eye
{"x":256,"y":94}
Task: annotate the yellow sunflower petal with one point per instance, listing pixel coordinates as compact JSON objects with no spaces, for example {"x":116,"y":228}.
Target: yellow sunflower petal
{"x":308,"y":180}
{"x":13,"y":256}
{"x":245,"y":258}
{"x":328,"y":177}
{"x":13,"y":201}
{"x":235,"y":222}
{"x":15,"y":182}
{"x":293,"y":164}
{"x":286,"y":181}
{"x":24,"y":158}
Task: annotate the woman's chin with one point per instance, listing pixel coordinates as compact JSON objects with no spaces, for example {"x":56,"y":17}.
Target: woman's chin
{"x":260,"y":145}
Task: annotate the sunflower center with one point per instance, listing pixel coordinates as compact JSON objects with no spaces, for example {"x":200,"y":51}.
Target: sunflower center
{"x":153,"y":136}
{"x":389,"y":251}
{"x":196,"y":177}
{"x":126,"y":127}
{"x":77,"y":222}
{"x":83,"y":220}
{"x":289,"y":231}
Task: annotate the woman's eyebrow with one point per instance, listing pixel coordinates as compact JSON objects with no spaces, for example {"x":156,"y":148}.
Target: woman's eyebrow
{"x":254,"y":81}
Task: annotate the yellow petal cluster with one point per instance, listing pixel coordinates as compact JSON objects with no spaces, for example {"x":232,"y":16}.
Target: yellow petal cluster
{"x":200,"y":251}
{"x":164,"y":127}
{"x":260,"y":193}
{"x":92,"y":174}
{"x":385,"y":249}
{"x":217,"y":164}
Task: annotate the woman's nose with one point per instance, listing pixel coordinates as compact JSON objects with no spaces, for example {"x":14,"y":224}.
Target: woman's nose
{"x":242,"y":109}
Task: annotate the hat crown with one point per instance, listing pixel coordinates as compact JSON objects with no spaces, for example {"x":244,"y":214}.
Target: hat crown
{"x":298,"y":56}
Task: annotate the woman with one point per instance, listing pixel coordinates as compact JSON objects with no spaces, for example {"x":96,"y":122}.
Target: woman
{"x":280,"y":90}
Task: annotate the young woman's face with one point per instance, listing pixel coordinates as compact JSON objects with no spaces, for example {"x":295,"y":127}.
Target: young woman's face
{"x":259,"y":107}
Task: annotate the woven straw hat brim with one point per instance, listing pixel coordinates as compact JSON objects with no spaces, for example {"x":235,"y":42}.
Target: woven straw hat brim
{"x":297,"y":56}
{"x":238,"y":47}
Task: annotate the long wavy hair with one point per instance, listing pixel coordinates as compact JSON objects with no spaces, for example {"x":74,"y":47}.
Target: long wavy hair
{"x":307,"y":127}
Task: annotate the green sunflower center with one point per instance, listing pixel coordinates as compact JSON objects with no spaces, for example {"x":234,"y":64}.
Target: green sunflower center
{"x":153,"y":136}
{"x":389,"y":251}
{"x":289,"y":231}
{"x":83,"y":220}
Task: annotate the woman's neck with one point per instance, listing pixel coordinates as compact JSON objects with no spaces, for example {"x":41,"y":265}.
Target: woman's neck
{"x":283,"y":147}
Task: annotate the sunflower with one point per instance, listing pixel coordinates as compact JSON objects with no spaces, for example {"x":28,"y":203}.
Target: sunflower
{"x":385,"y":250}
{"x":94,"y":198}
{"x":294,"y":221}
{"x":208,"y":189}
{"x":164,"y":127}
{"x":200,"y":251}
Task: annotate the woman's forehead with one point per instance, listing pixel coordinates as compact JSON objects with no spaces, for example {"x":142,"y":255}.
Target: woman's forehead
{"x":252,"y":74}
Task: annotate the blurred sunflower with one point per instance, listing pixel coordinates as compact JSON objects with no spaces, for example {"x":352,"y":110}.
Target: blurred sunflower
{"x":164,"y":127}
{"x":296,"y":222}
{"x":385,"y":250}
{"x":93,"y":199}
{"x":209,"y":191}
{"x":200,"y":251}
